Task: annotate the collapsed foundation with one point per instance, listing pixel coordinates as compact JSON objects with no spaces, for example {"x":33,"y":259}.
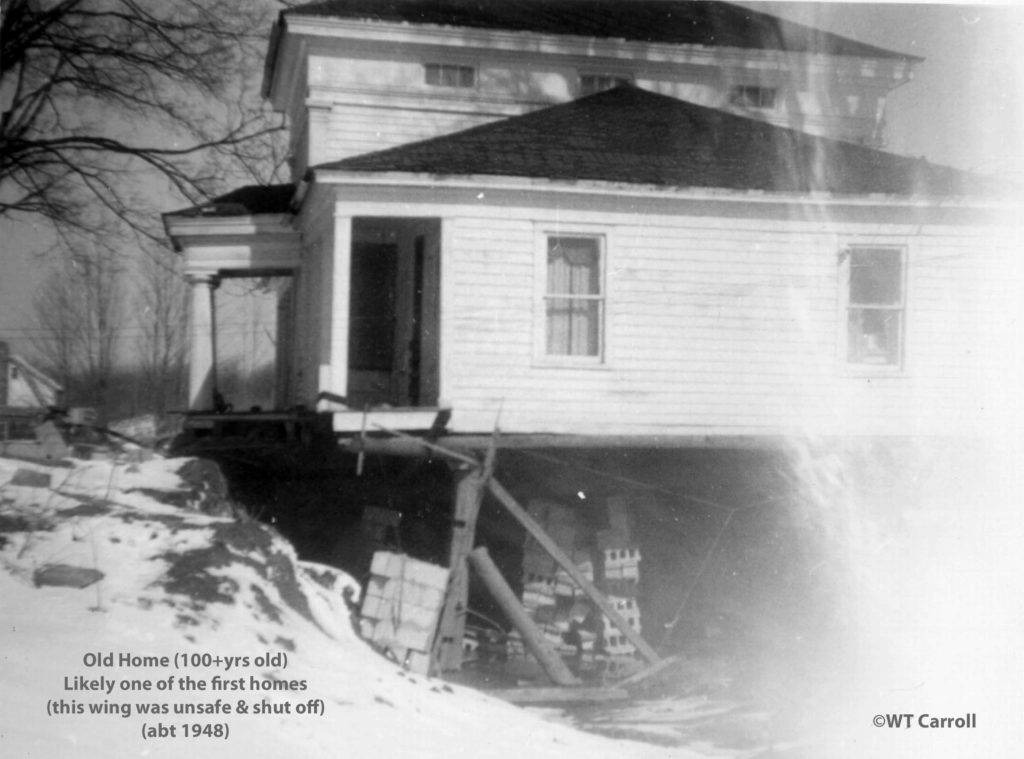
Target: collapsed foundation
{"x":700,"y":551}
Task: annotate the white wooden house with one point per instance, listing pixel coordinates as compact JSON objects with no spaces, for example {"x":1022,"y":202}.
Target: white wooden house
{"x":23,"y":386}
{"x":642,"y":220}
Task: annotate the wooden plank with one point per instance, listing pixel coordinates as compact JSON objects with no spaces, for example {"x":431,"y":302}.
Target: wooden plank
{"x":558,"y":695}
{"x":470,"y":442}
{"x":414,"y":418}
{"x":650,"y":671}
{"x":429,"y":446}
{"x":506,"y":499}
{"x":534,"y":639}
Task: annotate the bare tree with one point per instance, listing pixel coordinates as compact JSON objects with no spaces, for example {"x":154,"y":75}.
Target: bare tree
{"x":81,"y":315}
{"x":162,"y":312}
{"x":56,"y":341}
{"x":93,"y":92}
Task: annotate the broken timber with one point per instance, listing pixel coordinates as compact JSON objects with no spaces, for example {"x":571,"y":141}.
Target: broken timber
{"x":538,"y":533}
{"x":469,"y":495}
{"x":482,"y":476}
{"x":534,"y":639}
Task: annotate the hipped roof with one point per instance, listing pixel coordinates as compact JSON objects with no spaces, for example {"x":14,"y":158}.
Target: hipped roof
{"x":249,"y":200}
{"x":694,"y":22}
{"x":628,"y":135}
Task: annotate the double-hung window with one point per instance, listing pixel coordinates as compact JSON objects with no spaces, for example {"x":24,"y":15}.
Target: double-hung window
{"x":574,"y":296}
{"x":875,"y":305}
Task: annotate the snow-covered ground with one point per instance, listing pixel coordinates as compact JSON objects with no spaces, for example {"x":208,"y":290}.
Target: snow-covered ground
{"x":182,"y":577}
{"x":183,"y":584}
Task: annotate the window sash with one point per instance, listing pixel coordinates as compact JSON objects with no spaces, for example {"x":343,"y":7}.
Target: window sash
{"x":573,"y":326}
{"x":875,"y":336}
{"x":876,"y":274}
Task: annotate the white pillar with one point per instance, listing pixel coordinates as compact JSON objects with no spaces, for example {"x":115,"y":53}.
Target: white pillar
{"x":202,"y":378}
{"x":334,"y":355}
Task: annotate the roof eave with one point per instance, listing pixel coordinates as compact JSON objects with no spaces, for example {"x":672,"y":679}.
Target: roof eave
{"x":273,"y":50}
{"x":400,"y":179}
{"x":178,"y":225}
{"x":320,"y":23}
{"x":506,"y":40}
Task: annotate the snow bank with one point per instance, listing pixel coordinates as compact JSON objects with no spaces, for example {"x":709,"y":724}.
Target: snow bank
{"x":218,"y":613}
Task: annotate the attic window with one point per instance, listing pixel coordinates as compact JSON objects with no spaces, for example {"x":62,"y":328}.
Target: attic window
{"x":753,"y":96}
{"x":448,"y":75}
{"x":591,"y":84}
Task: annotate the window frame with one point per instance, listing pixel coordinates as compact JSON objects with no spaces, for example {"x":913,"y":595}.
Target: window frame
{"x":616,"y":80}
{"x":739,"y":97}
{"x":458,"y":68}
{"x":848,"y":306}
{"x":543,"y":234}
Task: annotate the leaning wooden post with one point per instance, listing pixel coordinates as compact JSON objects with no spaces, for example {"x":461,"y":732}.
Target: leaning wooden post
{"x":549,"y":545}
{"x":469,"y":493}
{"x":533,"y":638}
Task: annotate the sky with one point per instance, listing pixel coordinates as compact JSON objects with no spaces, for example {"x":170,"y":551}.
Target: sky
{"x":962,"y":109}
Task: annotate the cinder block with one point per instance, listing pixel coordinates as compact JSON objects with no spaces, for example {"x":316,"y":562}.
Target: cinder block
{"x":426,"y":574}
{"x":414,"y":636}
{"x":384,"y":564}
{"x":373,"y":607}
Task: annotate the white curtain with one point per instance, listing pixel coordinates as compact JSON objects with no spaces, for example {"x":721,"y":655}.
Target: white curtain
{"x":573,"y":302}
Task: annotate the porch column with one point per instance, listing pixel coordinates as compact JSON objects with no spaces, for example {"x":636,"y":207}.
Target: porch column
{"x":202,"y":380}
{"x":334,"y":372}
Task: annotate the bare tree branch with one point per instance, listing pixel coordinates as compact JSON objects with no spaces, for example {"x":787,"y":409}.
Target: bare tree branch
{"x":98,"y":93}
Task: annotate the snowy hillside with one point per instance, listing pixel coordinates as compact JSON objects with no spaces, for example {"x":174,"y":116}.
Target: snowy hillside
{"x":126,"y":604}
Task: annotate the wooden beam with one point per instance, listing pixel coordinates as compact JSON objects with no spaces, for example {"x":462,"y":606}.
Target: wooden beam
{"x":509,"y":502}
{"x":532,"y":636}
{"x":427,"y":446}
{"x":682,"y":441}
{"x":650,"y":671}
{"x":469,"y":493}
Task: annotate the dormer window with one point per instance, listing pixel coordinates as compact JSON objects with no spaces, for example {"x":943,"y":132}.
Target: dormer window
{"x":449,"y":75}
{"x":591,"y":84}
{"x":753,"y":96}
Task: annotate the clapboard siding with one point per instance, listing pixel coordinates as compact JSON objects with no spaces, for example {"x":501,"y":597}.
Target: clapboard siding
{"x":711,"y":328}
{"x":377,"y":96}
{"x":353,"y":130}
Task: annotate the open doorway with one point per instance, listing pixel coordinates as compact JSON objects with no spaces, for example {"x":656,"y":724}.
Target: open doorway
{"x":394,"y":312}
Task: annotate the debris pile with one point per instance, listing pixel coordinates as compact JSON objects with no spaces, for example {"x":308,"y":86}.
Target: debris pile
{"x":606,"y":555}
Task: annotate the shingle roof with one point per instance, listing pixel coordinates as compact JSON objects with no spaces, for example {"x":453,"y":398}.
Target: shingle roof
{"x":245,"y":201}
{"x":633,"y":136}
{"x":694,"y":22}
